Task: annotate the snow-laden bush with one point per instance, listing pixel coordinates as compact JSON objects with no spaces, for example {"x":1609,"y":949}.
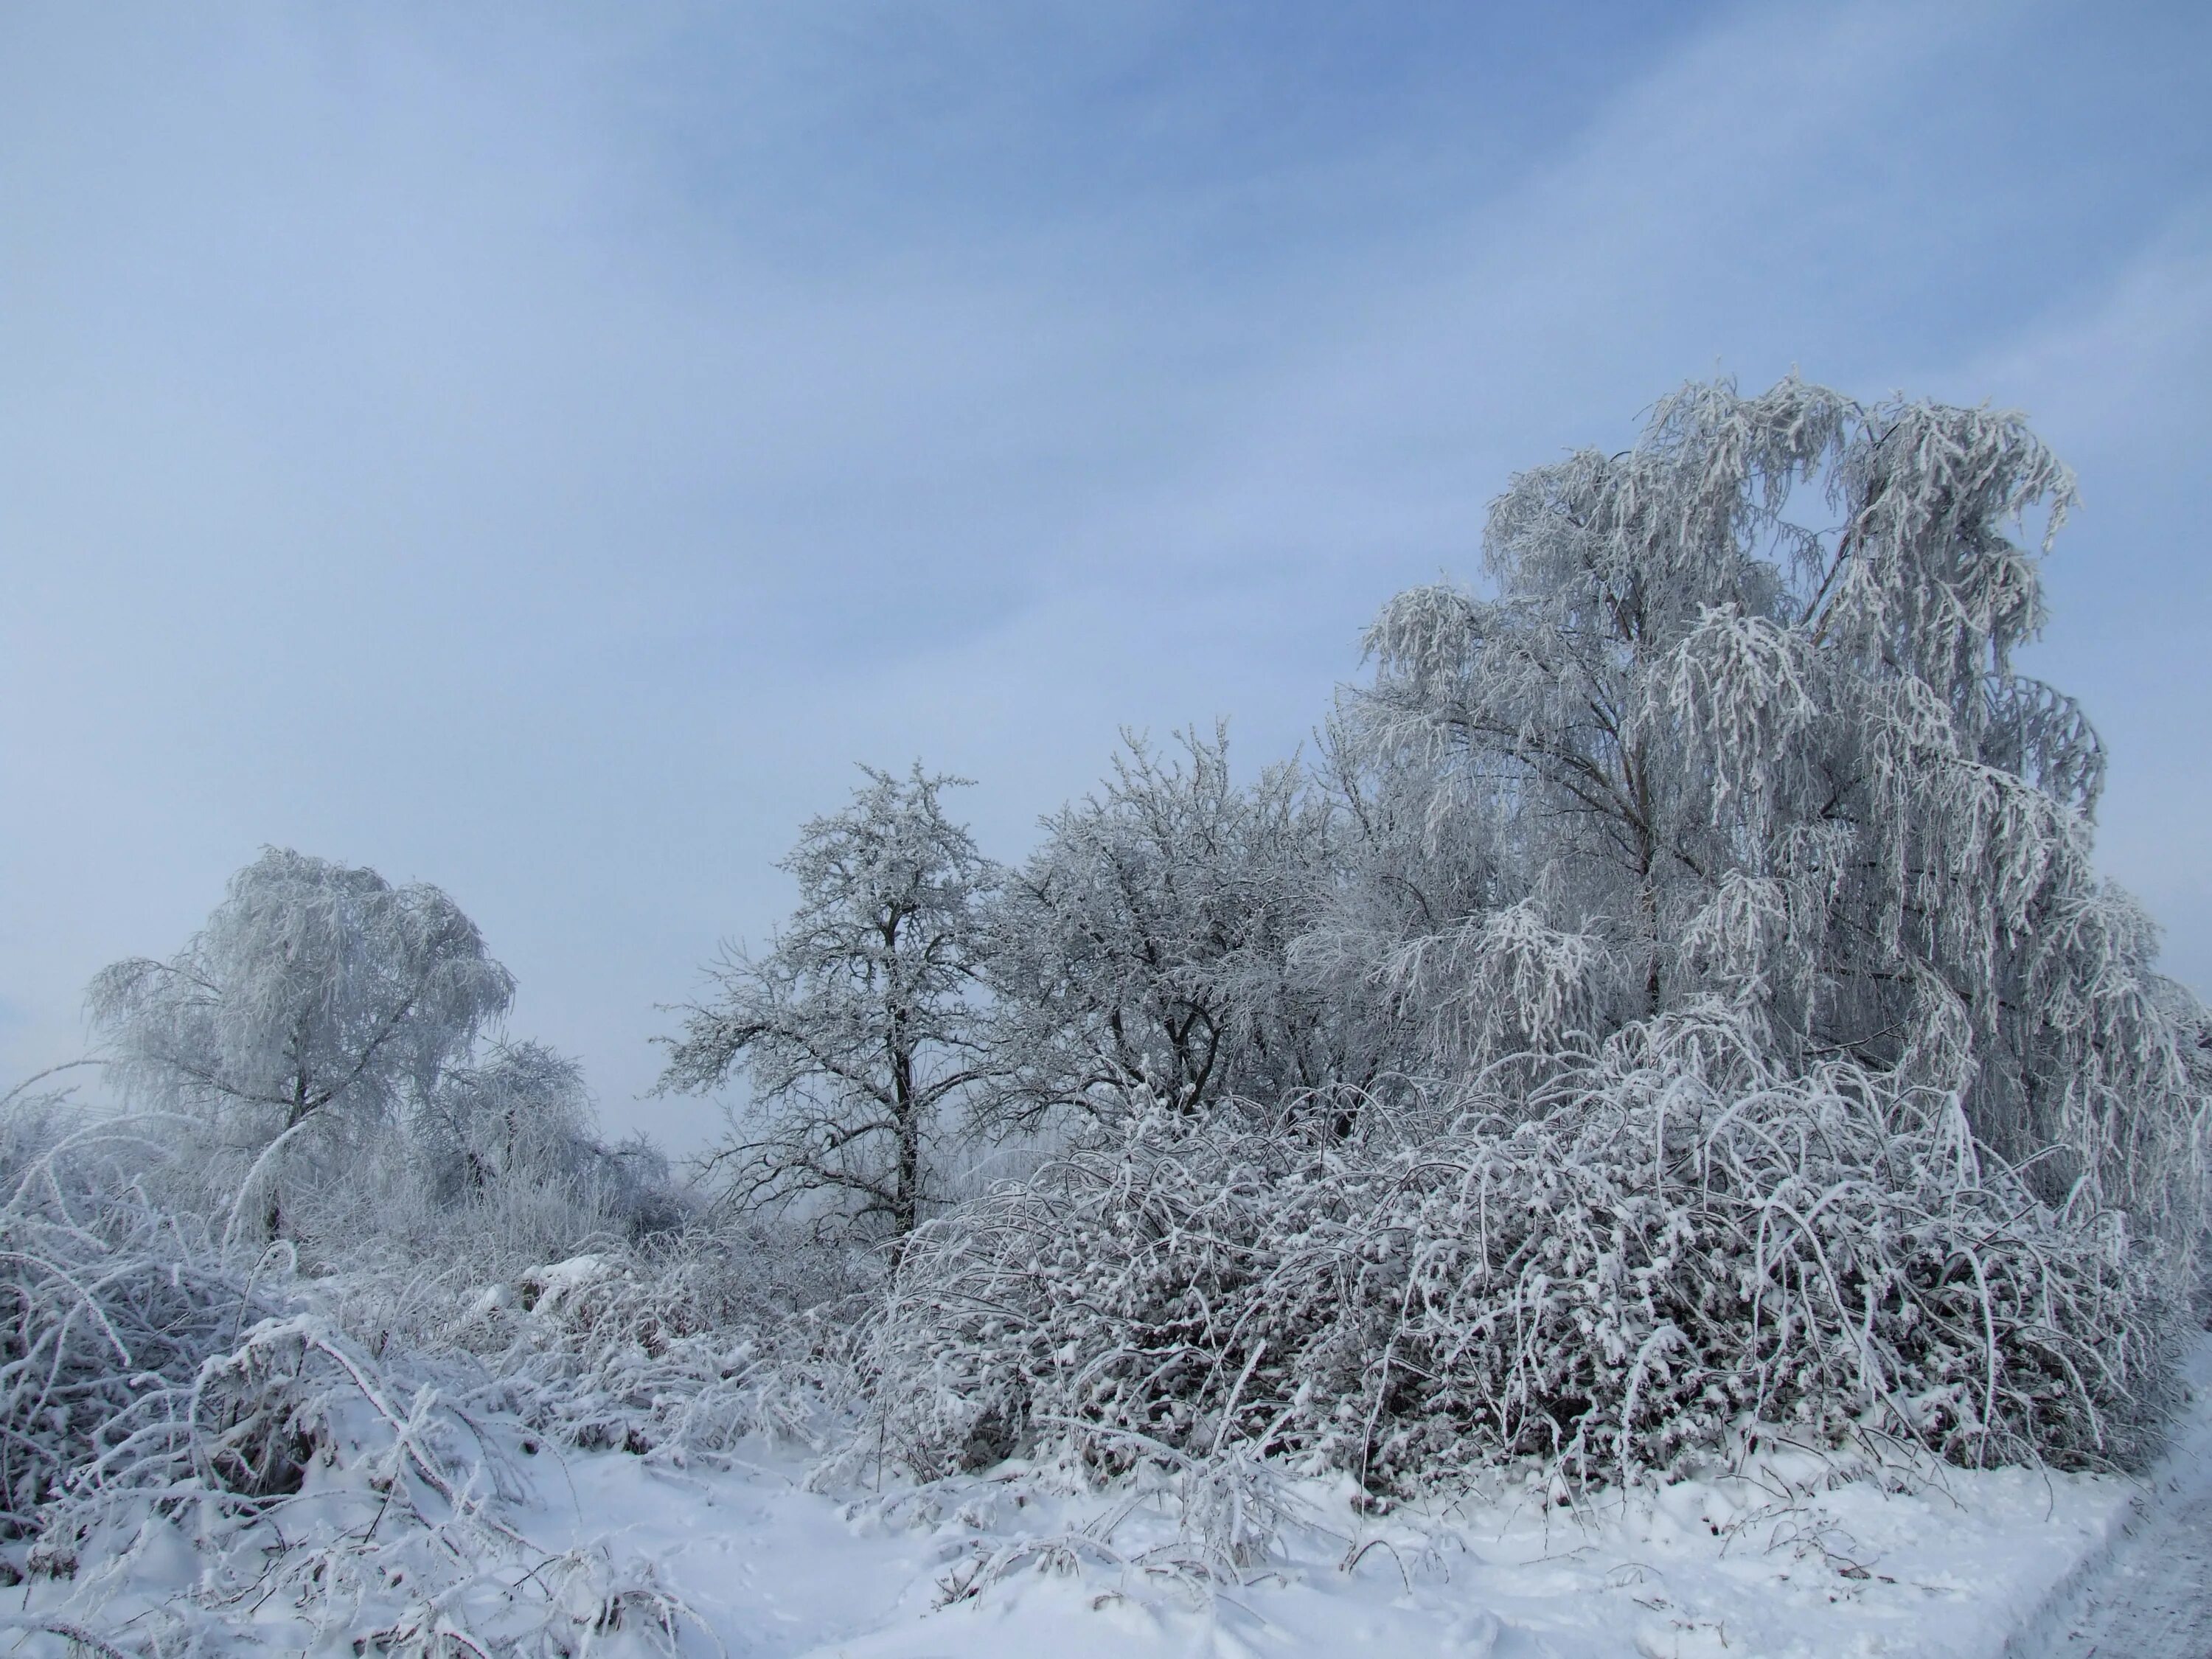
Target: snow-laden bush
{"x":1680,"y":1250}
{"x":678,"y":1347}
{"x":194,"y":1453}
{"x":114,"y":1306}
{"x":397,"y":1217}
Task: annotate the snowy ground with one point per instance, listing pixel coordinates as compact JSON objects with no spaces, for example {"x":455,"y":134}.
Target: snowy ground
{"x":2151,"y":1596}
{"x":1785,"y":1561}
{"x":1730,"y":1567}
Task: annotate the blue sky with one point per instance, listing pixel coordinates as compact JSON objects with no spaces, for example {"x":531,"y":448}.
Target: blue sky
{"x":538,"y":450}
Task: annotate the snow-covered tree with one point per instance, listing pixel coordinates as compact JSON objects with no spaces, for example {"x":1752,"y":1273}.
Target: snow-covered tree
{"x":1712,"y":749}
{"x":1144,"y":952}
{"x":859,"y":1025}
{"x":523,"y":1108}
{"x":318,"y":997}
{"x":510,"y":1137}
{"x":1406,"y":865}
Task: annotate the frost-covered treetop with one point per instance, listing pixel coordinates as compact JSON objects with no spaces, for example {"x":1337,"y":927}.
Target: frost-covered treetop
{"x":1144,"y":950}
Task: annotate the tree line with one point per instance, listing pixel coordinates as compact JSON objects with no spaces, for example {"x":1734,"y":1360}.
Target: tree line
{"x":1689,"y":753}
{"x":1736,"y":733}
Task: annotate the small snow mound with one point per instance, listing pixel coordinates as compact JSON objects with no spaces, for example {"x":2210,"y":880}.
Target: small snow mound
{"x":545,"y":1289}
{"x":1680,"y":1638}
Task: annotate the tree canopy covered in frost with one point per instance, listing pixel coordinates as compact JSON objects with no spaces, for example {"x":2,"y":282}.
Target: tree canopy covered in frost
{"x":1144,"y":950}
{"x":1742,"y":724}
{"x":321,"y":1048}
{"x":313,"y":987}
{"x":315,"y":992}
{"x":524,"y":1105}
{"x":860,"y":1023}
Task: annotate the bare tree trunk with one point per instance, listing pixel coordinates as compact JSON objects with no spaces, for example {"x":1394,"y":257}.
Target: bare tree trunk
{"x":906,"y":1202}
{"x":294,"y":1115}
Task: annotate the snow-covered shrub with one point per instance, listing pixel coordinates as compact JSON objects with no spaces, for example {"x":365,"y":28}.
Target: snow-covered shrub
{"x":113,"y":1307}
{"x":510,"y":1139}
{"x":678,"y":1345}
{"x":189,"y":1439}
{"x":1673,"y":1247}
{"x":398,"y":1215}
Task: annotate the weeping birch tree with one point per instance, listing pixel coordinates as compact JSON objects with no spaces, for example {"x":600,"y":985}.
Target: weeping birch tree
{"x":319,"y":1001}
{"x":1743,"y":726}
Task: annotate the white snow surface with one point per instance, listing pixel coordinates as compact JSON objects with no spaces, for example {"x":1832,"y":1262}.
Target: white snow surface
{"x":1730,"y":1566}
{"x":549,"y":1286}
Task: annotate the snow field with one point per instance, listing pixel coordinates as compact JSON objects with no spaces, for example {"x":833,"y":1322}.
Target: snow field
{"x":1776,"y":1563}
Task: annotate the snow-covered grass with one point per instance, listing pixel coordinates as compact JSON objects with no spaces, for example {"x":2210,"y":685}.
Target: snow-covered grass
{"x":200,"y":1456}
{"x":678,"y":1346}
